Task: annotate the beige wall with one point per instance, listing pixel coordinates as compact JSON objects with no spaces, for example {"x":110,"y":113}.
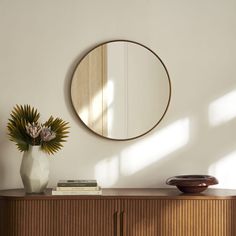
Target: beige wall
{"x":42,"y":40}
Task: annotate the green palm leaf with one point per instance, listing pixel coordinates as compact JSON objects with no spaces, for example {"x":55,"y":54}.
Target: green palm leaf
{"x":21,"y":116}
{"x":60,"y":128}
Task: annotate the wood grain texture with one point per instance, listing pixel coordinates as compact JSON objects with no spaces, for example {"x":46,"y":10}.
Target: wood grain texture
{"x":180,"y":217}
{"x":58,"y":218}
{"x":118,"y":193}
{"x":88,"y":90}
{"x":123,"y":214}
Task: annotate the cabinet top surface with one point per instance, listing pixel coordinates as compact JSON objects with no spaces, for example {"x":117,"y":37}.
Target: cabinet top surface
{"x":125,"y":193}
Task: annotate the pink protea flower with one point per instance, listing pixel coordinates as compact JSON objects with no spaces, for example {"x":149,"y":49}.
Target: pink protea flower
{"x":25,"y":130}
{"x":33,"y":129}
{"x":47,"y":134}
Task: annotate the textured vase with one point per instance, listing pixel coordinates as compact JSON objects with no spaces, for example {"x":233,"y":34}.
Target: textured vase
{"x":34,"y":170}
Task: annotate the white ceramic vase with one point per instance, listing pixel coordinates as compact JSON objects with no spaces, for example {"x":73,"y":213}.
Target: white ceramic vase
{"x":34,"y":170}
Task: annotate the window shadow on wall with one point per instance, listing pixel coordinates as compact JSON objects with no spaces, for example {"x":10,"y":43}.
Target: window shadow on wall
{"x":188,"y":145}
{"x":185,"y":142}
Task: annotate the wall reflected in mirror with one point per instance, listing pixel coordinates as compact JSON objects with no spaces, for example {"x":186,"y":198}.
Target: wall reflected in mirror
{"x":120,"y":90}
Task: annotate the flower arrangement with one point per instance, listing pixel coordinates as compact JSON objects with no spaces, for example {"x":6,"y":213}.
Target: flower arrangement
{"x":25,"y":129}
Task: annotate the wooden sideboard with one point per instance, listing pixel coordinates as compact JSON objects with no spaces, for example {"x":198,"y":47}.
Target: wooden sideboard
{"x":119,"y":212}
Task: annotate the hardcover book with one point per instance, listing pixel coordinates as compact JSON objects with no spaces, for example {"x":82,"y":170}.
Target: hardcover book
{"x":74,"y":192}
{"x":77,"y":183}
{"x":77,"y":188}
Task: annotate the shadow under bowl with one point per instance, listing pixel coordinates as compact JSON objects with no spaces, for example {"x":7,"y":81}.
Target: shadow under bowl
{"x":192,"y":183}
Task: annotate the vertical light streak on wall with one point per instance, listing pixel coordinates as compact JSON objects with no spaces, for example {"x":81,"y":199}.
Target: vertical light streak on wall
{"x":224,"y":170}
{"x":223,"y":109}
{"x":107,"y":171}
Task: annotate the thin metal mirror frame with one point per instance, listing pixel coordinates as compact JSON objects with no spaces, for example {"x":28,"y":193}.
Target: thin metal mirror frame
{"x":168,"y":77}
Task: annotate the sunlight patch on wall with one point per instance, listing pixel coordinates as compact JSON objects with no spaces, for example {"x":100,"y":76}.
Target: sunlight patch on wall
{"x":224,"y":171}
{"x":223,"y":109}
{"x":150,"y":150}
{"x":107,"y":171}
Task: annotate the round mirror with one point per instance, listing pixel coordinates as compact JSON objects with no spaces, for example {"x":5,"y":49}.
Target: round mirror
{"x":120,"y":90}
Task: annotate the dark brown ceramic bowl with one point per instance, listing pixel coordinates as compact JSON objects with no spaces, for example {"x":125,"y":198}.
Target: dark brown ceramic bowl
{"x":192,"y":183}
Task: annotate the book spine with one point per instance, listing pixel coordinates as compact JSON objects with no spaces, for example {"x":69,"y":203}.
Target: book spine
{"x":55,"y":192}
{"x":77,"y":188}
{"x":77,"y":185}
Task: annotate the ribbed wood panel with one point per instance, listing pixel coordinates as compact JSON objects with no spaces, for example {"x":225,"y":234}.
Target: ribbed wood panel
{"x":118,"y":216}
{"x":59,"y":218}
{"x":2,"y":216}
{"x":179,"y":218}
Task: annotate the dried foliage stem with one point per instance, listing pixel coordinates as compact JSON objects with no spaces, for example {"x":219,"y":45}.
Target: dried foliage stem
{"x":25,"y":129}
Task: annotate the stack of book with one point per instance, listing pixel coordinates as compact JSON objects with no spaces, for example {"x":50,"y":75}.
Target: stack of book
{"x":77,"y":187}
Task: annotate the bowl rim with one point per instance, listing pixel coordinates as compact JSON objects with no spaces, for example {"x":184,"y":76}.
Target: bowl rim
{"x":192,"y":180}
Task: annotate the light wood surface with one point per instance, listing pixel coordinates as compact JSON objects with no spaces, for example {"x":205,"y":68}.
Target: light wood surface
{"x":119,"y":212}
{"x":165,"y":193}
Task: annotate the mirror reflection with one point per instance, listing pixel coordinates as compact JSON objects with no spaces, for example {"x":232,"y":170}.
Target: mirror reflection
{"x":120,"y":90}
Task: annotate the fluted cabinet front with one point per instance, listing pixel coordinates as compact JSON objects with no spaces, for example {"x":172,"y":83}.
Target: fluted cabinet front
{"x":179,"y":217}
{"x":78,"y":217}
{"x":118,"y":214}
